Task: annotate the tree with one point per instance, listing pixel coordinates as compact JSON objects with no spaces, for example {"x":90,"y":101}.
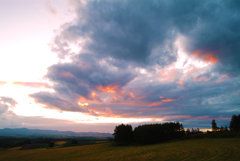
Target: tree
{"x":51,"y":144}
{"x":123,"y":133}
{"x":226,"y":128}
{"x":214,"y":125}
{"x":235,"y":123}
{"x":74,"y":141}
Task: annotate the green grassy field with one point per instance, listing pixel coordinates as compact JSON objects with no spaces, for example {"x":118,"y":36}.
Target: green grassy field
{"x":195,"y":149}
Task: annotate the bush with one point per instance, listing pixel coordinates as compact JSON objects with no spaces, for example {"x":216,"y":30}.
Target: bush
{"x":51,"y":144}
{"x":74,"y":141}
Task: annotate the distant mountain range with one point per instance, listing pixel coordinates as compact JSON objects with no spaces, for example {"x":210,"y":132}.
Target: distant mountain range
{"x":46,"y":133}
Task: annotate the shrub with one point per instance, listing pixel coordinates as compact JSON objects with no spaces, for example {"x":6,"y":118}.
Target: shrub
{"x":74,"y":141}
{"x":51,"y":144}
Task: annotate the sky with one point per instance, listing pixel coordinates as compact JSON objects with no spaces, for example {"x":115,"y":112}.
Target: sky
{"x":90,"y":65}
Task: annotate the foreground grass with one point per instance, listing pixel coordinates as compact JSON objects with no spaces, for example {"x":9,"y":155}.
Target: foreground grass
{"x":197,"y":149}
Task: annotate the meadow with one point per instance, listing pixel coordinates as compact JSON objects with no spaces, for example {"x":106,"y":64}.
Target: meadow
{"x":192,"y":149}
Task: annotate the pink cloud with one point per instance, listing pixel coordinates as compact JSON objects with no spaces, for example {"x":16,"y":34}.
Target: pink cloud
{"x":32,"y":84}
{"x":221,"y":79}
{"x":168,"y":75}
{"x":180,"y":82}
{"x":162,"y":102}
{"x":67,"y":74}
{"x":3,"y":83}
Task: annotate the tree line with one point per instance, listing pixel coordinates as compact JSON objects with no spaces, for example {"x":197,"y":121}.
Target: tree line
{"x":234,"y":125}
{"x":149,"y":133}
{"x":156,"y":133}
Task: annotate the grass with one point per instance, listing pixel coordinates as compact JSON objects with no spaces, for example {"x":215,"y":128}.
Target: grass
{"x":16,"y":148}
{"x":193,"y":149}
{"x":60,"y":143}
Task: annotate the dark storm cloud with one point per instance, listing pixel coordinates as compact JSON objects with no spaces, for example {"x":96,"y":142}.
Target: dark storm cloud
{"x":216,"y":32}
{"x":145,"y":31}
{"x":125,"y":30}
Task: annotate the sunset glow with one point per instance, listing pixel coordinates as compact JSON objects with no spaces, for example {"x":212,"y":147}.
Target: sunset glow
{"x":91,"y":65}
{"x":83,"y":104}
{"x":207,"y":57}
{"x":108,"y":89}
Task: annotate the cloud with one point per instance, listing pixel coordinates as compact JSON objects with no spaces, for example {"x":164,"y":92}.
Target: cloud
{"x":123,"y":31}
{"x":145,"y":32}
{"x":32,"y":84}
{"x":88,"y":74}
{"x":172,"y":60}
{"x":50,"y":8}
{"x":55,"y":102}
{"x":6,"y":103}
{"x":7,"y":100}
{"x":3,"y":83}
{"x":214,"y":37}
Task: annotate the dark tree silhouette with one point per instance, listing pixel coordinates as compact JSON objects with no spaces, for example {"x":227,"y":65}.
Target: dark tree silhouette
{"x":155,"y":133}
{"x":74,"y":141}
{"x":214,"y":125}
{"x":123,"y":133}
{"x":226,"y":128}
{"x":235,"y":123}
{"x":51,"y":144}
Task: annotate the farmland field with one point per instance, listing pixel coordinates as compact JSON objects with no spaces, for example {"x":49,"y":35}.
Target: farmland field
{"x":195,"y":149}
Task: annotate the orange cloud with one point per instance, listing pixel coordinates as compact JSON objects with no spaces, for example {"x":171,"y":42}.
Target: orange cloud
{"x":132,"y":95}
{"x":83,"y":104}
{"x":207,"y":57}
{"x":156,"y":103}
{"x":170,"y":100}
{"x":180,"y":82}
{"x":94,"y":94}
{"x":162,"y":102}
{"x":108,"y":89}
{"x":197,"y":53}
{"x":114,"y":97}
{"x":95,"y":97}
{"x":108,"y":113}
{"x":161,"y":97}
{"x":83,"y":99}
{"x":168,"y":75}
{"x":201,"y":79}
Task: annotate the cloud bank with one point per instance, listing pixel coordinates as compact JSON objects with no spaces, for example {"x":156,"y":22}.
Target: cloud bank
{"x":165,"y":60}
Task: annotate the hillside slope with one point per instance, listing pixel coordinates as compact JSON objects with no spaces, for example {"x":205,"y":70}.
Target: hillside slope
{"x":197,"y":149}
